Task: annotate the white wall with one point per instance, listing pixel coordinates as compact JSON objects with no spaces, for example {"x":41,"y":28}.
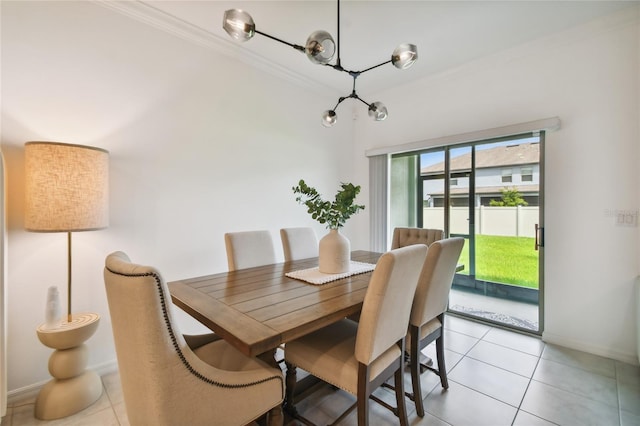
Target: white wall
{"x":588,"y":77}
{"x":200,"y":145}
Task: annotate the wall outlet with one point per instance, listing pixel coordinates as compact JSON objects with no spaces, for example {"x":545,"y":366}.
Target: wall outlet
{"x":627,"y":218}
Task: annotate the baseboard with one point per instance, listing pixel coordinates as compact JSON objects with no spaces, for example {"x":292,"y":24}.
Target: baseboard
{"x":628,"y":358}
{"x":30,"y":391}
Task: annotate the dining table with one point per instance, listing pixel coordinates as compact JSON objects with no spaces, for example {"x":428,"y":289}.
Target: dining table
{"x":258,"y":309}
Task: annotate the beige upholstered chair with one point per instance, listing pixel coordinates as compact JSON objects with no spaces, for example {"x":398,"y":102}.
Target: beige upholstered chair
{"x":299,"y":243}
{"x":403,"y":237}
{"x":359,"y":357}
{"x":248,"y":249}
{"x":171,"y":379}
{"x":427,"y":314}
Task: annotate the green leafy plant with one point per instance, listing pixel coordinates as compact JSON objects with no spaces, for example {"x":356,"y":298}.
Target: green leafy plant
{"x":333,"y":214}
{"x":510,"y":198}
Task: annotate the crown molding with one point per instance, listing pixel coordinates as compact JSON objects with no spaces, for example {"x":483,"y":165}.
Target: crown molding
{"x":149,"y":15}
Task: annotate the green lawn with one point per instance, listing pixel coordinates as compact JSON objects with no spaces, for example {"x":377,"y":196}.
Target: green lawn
{"x":511,"y":260}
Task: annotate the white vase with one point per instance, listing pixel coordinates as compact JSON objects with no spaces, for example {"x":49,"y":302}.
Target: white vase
{"x":52,"y":313}
{"x":334,"y":252}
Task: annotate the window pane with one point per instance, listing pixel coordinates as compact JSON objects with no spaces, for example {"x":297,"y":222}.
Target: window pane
{"x":432,"y":172}
{"x":507,"y":176}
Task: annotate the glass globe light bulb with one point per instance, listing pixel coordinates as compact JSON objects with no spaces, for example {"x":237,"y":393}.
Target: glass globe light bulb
{"x":238,"y":24}
{"x":329,"y":118}
{"x":378,"y":111}
{"x":320,"y":47}
{"x":404,"y":56}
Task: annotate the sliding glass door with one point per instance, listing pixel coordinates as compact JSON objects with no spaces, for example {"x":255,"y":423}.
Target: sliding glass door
{"x":489,"y":193}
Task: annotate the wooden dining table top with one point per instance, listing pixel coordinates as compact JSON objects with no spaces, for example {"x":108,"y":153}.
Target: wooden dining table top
{"x":257,"y":309}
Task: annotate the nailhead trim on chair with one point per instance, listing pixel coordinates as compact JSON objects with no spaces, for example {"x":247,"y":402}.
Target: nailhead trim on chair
{"x":186,"y":363}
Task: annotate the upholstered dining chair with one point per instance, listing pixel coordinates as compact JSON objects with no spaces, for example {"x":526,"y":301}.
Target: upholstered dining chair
{"x":403,"y":237}
{"x":171,"y":379}
{"x":299,"y":243}
{"x":359,"y":357}
{"x":248,"y":249}
{"x":427,"y":313}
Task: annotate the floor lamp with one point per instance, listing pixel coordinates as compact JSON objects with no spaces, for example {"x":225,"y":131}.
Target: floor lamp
{"x":67,"y":190}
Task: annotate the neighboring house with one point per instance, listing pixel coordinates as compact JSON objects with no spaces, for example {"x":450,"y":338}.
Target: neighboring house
{"x":507,"y":166}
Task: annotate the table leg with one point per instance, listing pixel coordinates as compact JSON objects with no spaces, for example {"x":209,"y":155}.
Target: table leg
{"x":291,"y":380}
{"x":306,"y":385}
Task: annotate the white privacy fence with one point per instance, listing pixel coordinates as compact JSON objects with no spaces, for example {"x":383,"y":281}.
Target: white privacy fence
{"x":506,"y":221}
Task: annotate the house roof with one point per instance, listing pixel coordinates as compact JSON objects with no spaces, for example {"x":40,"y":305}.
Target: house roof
{"x":500,"y":156}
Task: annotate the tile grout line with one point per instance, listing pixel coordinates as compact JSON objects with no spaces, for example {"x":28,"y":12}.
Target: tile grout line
{"x":487,"y":395}
{"x":524,"y":395}
{"x":530,"y":379}
{"x":587,"y":397}
{"x":465,"y":355}
{"x":113,"y":408}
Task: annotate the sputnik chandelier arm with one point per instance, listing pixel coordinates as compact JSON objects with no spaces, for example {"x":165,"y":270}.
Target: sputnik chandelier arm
{"x":320,"y":48}
{"x":377,"y":110}
{"x":295,"y":46}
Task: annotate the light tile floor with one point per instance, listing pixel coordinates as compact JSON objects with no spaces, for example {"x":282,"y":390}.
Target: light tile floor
{"x":496,"y":377}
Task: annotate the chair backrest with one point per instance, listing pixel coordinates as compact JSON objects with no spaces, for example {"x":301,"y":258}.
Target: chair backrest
{"x":148,"y":346}
{"x":164,"y":382}
{"x":387,"y":304}
{"x":403,"y":237}
{"x":299,"y":243}
{"x":435,"y":280}
{"x":248,"y":249}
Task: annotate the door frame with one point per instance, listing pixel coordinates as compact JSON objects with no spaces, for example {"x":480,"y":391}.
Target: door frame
{"x":524,"y":294}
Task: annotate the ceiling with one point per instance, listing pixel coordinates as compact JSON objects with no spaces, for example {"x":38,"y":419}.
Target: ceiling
{"x":447,"y":33}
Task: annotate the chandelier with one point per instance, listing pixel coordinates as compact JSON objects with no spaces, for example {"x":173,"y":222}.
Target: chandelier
{"x":320,"y":48}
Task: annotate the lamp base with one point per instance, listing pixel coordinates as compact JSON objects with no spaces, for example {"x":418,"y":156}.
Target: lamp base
{"x":72,"y":388}
{"x":62,"y":398}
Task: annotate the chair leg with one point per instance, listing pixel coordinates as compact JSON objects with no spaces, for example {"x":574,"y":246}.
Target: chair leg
{"x":363,"y":395}
{"x":414,"y":366}
{"x":442,"y":368}
{"x":363,"y":411}
{"x":400,"y":402}
{"x":275,"y":417}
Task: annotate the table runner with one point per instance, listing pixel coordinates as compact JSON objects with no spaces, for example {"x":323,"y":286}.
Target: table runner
{"x":314,"y":276}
